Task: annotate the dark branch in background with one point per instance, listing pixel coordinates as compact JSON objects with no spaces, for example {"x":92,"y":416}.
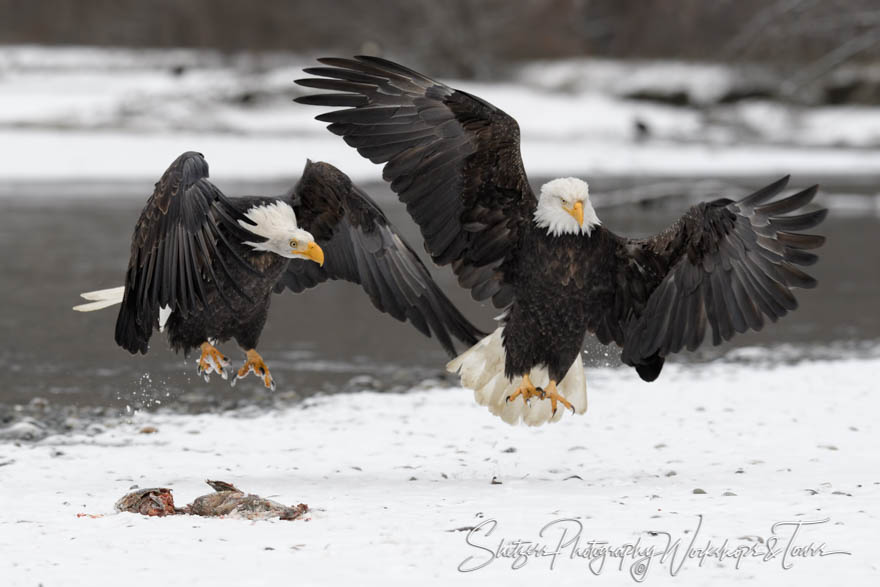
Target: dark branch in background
{"x":465,"y":37}
{"x":831,"y":61}
{"x":758,"y":24}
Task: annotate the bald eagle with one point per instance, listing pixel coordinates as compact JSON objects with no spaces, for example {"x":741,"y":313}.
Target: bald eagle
{"x":204,"y":266}
{"x":454,"y":160}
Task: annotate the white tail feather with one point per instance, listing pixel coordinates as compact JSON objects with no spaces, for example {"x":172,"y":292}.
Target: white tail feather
{"x":104,"y":298}
{"x":482,"y":369}
{"x":101,"y":298}
{"x":164,"y":314}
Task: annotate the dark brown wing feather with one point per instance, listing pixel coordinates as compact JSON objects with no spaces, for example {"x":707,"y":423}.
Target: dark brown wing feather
{"x":177,"y":248}
{"x":724,"y":265}
{"x":453,"y":159}
{"x":361,"y":246}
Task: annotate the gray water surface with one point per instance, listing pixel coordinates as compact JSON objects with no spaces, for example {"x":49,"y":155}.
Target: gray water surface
{"x":58,"y":241}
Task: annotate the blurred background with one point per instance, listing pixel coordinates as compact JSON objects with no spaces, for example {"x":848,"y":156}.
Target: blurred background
{"x":658,"y":104}
{"x":467,"y":38}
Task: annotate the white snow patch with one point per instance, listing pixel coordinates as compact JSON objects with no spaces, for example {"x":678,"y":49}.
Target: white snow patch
{"x":112,"y":156}
{"x":104,"y":114}
{"x":391,"y":477}
{"x":703,"y":82}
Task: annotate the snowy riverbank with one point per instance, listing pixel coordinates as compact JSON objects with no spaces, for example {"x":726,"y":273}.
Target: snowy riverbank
{"x":104,"y":114}
{"x":394,"y":482}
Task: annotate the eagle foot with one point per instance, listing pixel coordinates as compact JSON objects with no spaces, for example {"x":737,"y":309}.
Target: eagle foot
{"x":527,"y":391}
{"x":554,"y":397}
{"x":254,"y":364}
{"x":212,"y":361}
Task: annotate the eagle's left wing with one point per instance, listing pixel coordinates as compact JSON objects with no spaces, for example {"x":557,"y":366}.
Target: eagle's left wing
{"x":725,"y":264}
{"x":453,"y":159}
{"x":361,"y":246}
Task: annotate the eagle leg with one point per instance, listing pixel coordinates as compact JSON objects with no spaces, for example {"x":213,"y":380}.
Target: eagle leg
{"x":550,"y":393}
{"x":254,"y":364}
{"x":212,"y":360}
{"x":526,"y":390}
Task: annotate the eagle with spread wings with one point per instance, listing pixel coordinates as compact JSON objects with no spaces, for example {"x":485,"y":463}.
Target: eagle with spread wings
{"x":204,"y":266}
{"x":725,"y":266}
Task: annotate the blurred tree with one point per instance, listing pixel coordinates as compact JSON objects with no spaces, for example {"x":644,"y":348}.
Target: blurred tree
{"x":467,"y":37}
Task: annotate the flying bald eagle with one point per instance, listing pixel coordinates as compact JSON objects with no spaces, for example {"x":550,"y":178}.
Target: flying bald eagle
{"x":203,"y":266}
{"x":454,"y":160}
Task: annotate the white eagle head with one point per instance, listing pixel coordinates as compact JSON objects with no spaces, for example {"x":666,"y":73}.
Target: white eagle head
{"x":564,"y":207}
{"x":276,"y":222}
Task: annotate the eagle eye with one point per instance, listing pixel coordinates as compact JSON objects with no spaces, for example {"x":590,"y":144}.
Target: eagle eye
{"x":293,"y":243}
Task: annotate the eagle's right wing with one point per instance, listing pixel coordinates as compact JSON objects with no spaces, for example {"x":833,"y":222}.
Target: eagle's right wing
{"x":179,"y":245}
{"x":453,"y":159}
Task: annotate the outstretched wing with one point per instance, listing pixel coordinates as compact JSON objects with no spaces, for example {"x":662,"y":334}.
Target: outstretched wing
{"x":725,"y":264}
{"x":179,"y":243}
{"x":453,"y":159}
{"x":361,"y":246}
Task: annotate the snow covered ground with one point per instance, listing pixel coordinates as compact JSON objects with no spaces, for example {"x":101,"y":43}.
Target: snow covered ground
{"x":396,"y":482}
{"x":401,"y":485}
{"x":111,"y":114}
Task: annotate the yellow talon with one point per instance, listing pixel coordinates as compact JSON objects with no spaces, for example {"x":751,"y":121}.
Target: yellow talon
{"x":254,"y":363}
{"x":212,"y":360}
{"x":550,"y":393}
{"x":526,"y":390}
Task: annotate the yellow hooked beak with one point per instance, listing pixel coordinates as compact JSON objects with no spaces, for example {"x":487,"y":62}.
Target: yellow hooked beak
{"x":313,"y":252}
{"x":577,"y":211}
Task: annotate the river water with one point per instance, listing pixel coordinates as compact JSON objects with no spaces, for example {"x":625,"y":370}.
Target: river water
{"x":60,"y":240}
